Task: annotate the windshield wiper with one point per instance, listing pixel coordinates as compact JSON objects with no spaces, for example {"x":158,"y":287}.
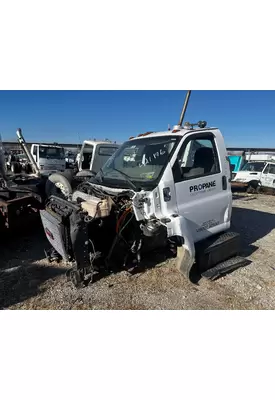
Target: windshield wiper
{"x":127,"y":179}
{"x":100,"y":178}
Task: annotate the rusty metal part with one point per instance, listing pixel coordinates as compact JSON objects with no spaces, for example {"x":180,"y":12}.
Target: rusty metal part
{"x":18,"y":212}
{"x":239,"y":185}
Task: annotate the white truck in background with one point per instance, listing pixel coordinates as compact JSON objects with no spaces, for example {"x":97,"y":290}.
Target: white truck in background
{"x":254,"y":176}
{"x":43,"y":159}
{"x":49,"y":158}
{"x":94,"y":154}
{"x":89,"y":161}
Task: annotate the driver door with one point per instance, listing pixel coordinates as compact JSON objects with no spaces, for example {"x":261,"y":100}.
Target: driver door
{"x":268,"y":176}
{"x":203,"y":192}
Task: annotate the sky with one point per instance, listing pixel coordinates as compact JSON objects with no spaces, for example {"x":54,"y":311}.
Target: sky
{"x":246,"y":118}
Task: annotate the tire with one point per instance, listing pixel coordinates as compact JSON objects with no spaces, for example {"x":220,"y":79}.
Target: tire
{"x":84,"y":174}
{"x":252,"y":187}
{"x":69,"y":174}
{"x":58,"y":185}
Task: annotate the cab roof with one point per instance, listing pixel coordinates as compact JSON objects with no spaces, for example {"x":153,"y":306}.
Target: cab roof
{"x":175,"y":132}
{"x":49,"y":145}
{"x":95,"y":142}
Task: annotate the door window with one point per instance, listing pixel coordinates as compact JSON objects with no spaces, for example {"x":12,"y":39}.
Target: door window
{"x":271,"y":169}
{"x":106,"y":150}
{"x":198,"y":157}
{"x":266,"y":170}
{"x":34,"y":152}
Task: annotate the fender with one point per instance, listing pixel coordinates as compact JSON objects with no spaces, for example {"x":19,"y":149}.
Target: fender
{"x":186,"y":249}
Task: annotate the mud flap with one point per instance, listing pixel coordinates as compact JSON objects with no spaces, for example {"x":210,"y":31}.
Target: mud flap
{"x":184,"y":261}
{"x":178,"y":227}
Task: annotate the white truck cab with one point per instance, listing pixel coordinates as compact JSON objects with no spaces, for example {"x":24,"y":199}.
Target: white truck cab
{"x":182,"y":175}
{"x":158,"y":188}
{"x":94,"y":154}
{"x":49,"y":158}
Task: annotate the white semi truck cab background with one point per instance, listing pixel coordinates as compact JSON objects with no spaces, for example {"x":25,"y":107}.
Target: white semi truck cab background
{"x":94,"y":154}
{"x":49,"y":158}
{"x":44,"y":159}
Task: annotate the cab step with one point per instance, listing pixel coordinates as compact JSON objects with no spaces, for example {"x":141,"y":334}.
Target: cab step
{"x":224,"y":267}
{"x":216,"y":249}
{"x":219,"y":254}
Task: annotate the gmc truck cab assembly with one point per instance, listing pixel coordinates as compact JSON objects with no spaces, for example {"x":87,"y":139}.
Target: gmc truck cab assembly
{"x":160,"y":189}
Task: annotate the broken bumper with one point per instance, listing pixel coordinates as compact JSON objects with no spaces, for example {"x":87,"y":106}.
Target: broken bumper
{"x":239,"y":185}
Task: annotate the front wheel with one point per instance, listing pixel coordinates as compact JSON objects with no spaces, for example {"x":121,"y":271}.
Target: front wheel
{"x":58,"y":185}
{"x":253,"y":187}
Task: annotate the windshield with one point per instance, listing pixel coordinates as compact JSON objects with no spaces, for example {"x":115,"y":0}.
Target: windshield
{"x":22,"y":156}
{"x":139,"y":163}
{"x":255,"y":167}
{"x":51,"y":152}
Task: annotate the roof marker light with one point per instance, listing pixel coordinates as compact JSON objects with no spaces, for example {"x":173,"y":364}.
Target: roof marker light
{"x":202,"y":124}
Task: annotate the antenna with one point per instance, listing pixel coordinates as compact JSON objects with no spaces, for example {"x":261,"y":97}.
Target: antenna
{"x":184,"y":106}
{"x":79,"y":137}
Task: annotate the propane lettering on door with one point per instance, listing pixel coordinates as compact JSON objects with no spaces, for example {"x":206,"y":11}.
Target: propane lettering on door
{"x":202,"y":187}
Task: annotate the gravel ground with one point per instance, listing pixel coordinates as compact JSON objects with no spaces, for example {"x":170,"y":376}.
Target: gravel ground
{"x":28,"y":281}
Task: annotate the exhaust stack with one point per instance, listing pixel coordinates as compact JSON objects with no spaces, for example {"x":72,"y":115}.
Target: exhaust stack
{"x":21,"y":140}
{"x":184,"y":107}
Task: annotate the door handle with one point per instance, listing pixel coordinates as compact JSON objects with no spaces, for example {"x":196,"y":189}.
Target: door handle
{"x":166,"y":194}
{"x":224,"y":183}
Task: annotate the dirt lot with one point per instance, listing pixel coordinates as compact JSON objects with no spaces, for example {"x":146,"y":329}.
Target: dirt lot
{"x":27,"y":281}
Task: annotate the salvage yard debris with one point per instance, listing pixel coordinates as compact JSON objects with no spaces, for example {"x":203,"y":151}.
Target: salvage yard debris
{"x":41,"y":285}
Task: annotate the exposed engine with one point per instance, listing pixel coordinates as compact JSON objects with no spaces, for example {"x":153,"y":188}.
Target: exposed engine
{"x":98,"y":232}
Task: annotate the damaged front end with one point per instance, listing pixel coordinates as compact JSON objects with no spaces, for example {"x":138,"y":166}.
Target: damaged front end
{"x":98,"y":231}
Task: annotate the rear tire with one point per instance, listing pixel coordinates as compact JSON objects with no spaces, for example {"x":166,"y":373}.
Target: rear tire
{"x":85,"y":174}
{"x":58,"y":185}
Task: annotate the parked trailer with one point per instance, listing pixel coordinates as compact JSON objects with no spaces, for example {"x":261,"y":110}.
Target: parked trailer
{"x":17,"y":204}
